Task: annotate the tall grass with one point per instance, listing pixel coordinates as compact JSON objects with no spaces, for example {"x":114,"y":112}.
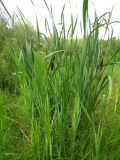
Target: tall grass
{"x":62,"y":89}
{"x":2,"y":125}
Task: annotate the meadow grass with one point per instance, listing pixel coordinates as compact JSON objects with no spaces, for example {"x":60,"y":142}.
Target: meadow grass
{"x":62,"y":92}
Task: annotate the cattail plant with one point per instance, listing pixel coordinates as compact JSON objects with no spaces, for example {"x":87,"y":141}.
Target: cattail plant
{"x":62,"y":90}
{"x":78,"y":78}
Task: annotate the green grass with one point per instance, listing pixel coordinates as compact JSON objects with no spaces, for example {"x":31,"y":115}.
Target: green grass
{"x":67,"y":106}
{"x":17,"y":141}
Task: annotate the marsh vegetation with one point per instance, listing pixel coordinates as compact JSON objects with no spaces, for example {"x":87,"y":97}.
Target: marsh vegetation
{"x":59,"y":94}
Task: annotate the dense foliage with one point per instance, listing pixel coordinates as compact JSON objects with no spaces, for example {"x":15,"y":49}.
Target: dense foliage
{"x":56,"y":99}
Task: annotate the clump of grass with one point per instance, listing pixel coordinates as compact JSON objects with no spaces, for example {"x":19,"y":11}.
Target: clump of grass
{"x":76,"y":77}
{"x":62,"y":90}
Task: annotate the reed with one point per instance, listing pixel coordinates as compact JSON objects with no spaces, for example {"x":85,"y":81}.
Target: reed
{"x":63,"y":89}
